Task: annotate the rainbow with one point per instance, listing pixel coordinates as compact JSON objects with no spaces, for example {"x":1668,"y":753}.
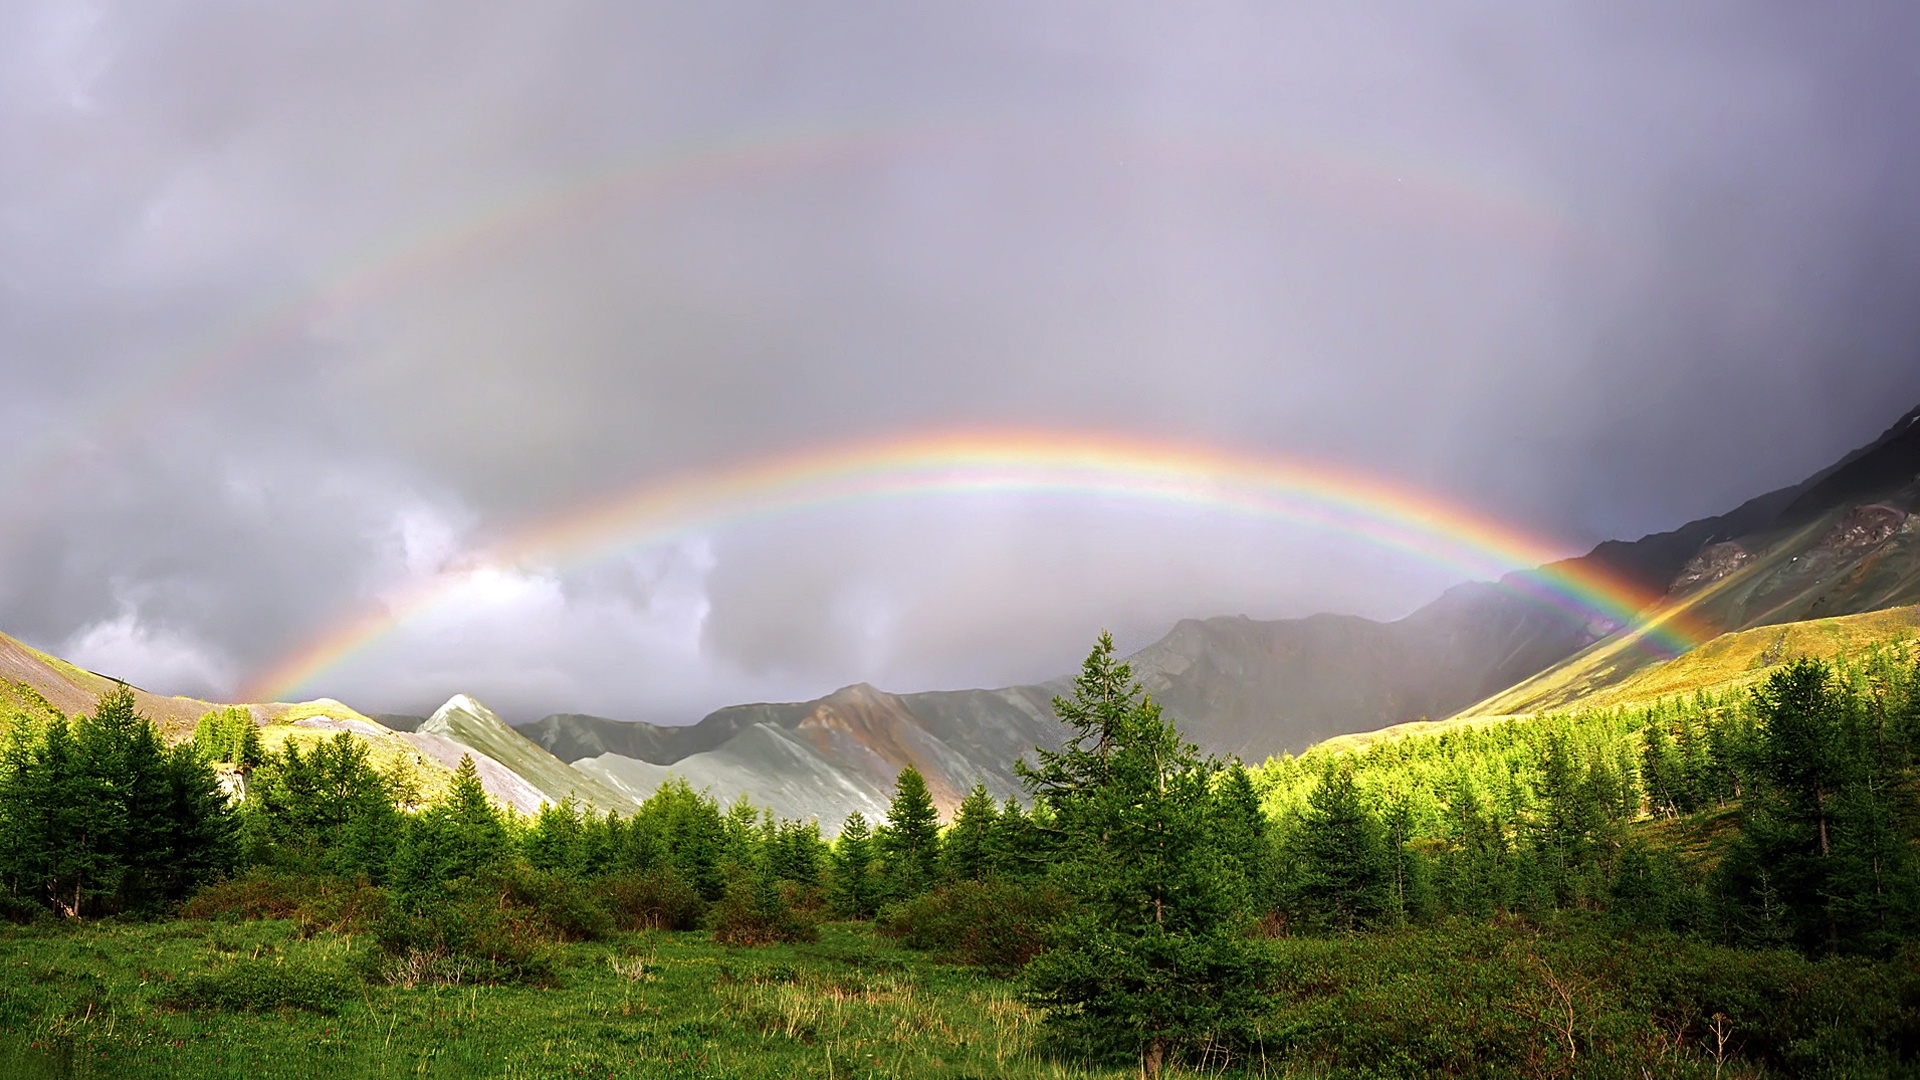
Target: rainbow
{"x":1355,"y":181}
{"x":1028,"y":464}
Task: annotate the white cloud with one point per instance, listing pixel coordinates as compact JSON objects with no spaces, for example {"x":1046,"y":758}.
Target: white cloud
{"x":125,"y":648}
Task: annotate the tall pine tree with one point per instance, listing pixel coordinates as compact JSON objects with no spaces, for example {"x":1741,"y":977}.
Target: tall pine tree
{"x":1152,"y":961}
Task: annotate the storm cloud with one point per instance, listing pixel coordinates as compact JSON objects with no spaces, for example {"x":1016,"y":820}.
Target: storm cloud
{"x":302,"y":307}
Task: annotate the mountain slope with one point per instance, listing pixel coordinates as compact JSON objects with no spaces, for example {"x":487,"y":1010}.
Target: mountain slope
{"x":1847,"y":542}
{"x":469,"y":725}
{"x":824,"y":758}
{"x":29,"y":676}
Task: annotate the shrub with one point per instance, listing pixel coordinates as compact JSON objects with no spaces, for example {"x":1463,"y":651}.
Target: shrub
{"x":562,"y":905}
{"x":995,"y":924}
{"x":501,"y":926}
{"x":755,"y":911}
{"x":318,"y":901}
{"x":652,"y":900}
{"x":263,"y":984}
{"x":20,"y":912}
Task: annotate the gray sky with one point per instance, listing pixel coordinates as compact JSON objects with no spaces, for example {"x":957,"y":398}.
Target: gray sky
{"x":300,"y":308}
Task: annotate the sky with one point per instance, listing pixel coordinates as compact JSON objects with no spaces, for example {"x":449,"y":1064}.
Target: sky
{"x":303,"y":308}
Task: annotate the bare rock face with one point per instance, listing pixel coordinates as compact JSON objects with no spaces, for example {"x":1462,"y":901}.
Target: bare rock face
{"x":1863,"y":529}
{"x":1712,"y":564}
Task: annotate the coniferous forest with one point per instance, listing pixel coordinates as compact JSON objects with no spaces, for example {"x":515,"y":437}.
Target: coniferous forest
{"x":1713,"y":886}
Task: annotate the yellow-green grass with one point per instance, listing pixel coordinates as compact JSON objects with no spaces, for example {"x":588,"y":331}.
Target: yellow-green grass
{"x":1738,"y":660}
{"x":1728,"y":663}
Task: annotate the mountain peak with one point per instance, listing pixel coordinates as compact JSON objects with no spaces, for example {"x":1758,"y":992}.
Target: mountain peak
{"x":462,"y":703}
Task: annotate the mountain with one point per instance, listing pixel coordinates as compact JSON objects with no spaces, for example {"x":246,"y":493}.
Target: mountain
{"x":31,"y":680}
{"x":514,"y":771}
{"x":1838,"y":543}
{"x":822,"y":758}
{"x":1845,"y":542}
{"x":465,"y":725}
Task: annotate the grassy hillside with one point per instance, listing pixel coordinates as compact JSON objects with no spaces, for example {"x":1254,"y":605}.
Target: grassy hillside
{"x":31,"y":681}
{"x":1725,"y":665}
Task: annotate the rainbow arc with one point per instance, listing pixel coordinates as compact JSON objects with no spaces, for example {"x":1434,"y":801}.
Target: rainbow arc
{"x":1039,"y":465}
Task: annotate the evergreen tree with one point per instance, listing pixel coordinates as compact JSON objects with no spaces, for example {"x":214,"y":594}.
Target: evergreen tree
{"x":1151,"y":962}
{"x":328,"y":810}
{"x":796,"y":853}
{"x":856,"y":889}
{"x":1019,"y":844}
{"x":966,"y":851}
{"x":1661,"y":771}
{"x":910,"y":842}
{"x":1343,"y":872}
{"x":1240,"y":834}
{"x":459,"y":837}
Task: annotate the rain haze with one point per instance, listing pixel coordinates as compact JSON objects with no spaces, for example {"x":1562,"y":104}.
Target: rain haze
{"x":303,"y":308}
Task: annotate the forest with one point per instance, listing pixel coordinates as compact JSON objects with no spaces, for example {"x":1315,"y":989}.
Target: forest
{"x":1707,"y":886}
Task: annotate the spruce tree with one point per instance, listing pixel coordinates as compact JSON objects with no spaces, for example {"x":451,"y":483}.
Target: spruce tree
{"x":1152,"y":961}
{"x":1344,"y":871}
{"x":910,"y":842}
{"x":966,"y":850}
{"x":856,"y":892}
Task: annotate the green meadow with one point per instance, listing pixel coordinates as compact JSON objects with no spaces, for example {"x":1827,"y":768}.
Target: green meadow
{"x":263,"y":1000}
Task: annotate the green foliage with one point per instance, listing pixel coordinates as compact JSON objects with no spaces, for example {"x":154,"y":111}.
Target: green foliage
{"x":228,"y":735}
{"x":651,"y":900}
{"x":1825,"y":855}
{"x":966,"y":852}
{"x":460,"y":837}
{"x":1150,"y":962}
{"x":856,"y":887}
{"x":265,"y":985}
{"x":327,"y":810}
{"x":98,"y":816}
{"x":1341,"y":872}
{"x":991,"y":923}
{"x":909,"y":842}
{"x":316,"y":901}
{"x":755,"y":911}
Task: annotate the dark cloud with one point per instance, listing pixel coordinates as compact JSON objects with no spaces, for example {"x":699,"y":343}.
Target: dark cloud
{"x":298,"y":307}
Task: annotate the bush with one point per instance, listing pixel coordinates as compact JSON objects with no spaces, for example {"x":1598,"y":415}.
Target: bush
{"x":263,"y":984}
{"x":20,"y":912}
{"x":652,"y":900}
{"x":754,"y":910}
{"x":995,"y":924}
{"x":564,"y":907}
{"x":318,"y":901}
{"x":501,"y":926}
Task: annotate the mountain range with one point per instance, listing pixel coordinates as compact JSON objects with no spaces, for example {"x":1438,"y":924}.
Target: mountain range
{"x":1840,"y":543}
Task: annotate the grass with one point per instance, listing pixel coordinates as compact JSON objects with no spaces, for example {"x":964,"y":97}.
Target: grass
{"x":107,"y":1001}
{"x":201,"y":1000}
{"x":1728,"y":662}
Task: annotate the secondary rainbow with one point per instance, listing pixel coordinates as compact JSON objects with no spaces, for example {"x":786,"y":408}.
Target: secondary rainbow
{"x":1048,"y":465}
{"x":1355,"y":180}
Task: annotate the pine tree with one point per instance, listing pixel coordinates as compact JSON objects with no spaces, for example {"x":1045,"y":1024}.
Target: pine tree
{"x":1151,"y":961}
{"x":856,"y":891}
{"x":458,"y":838}
{"x":910,"y":842}
{"x":1241,"y":836}
{"x":966,"y":850}
{"x":1344,"y":872}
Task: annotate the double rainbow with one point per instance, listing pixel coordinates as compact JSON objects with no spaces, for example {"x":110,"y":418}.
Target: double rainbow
{"x":1355,"y":183}
{"x":1043,"y":465}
